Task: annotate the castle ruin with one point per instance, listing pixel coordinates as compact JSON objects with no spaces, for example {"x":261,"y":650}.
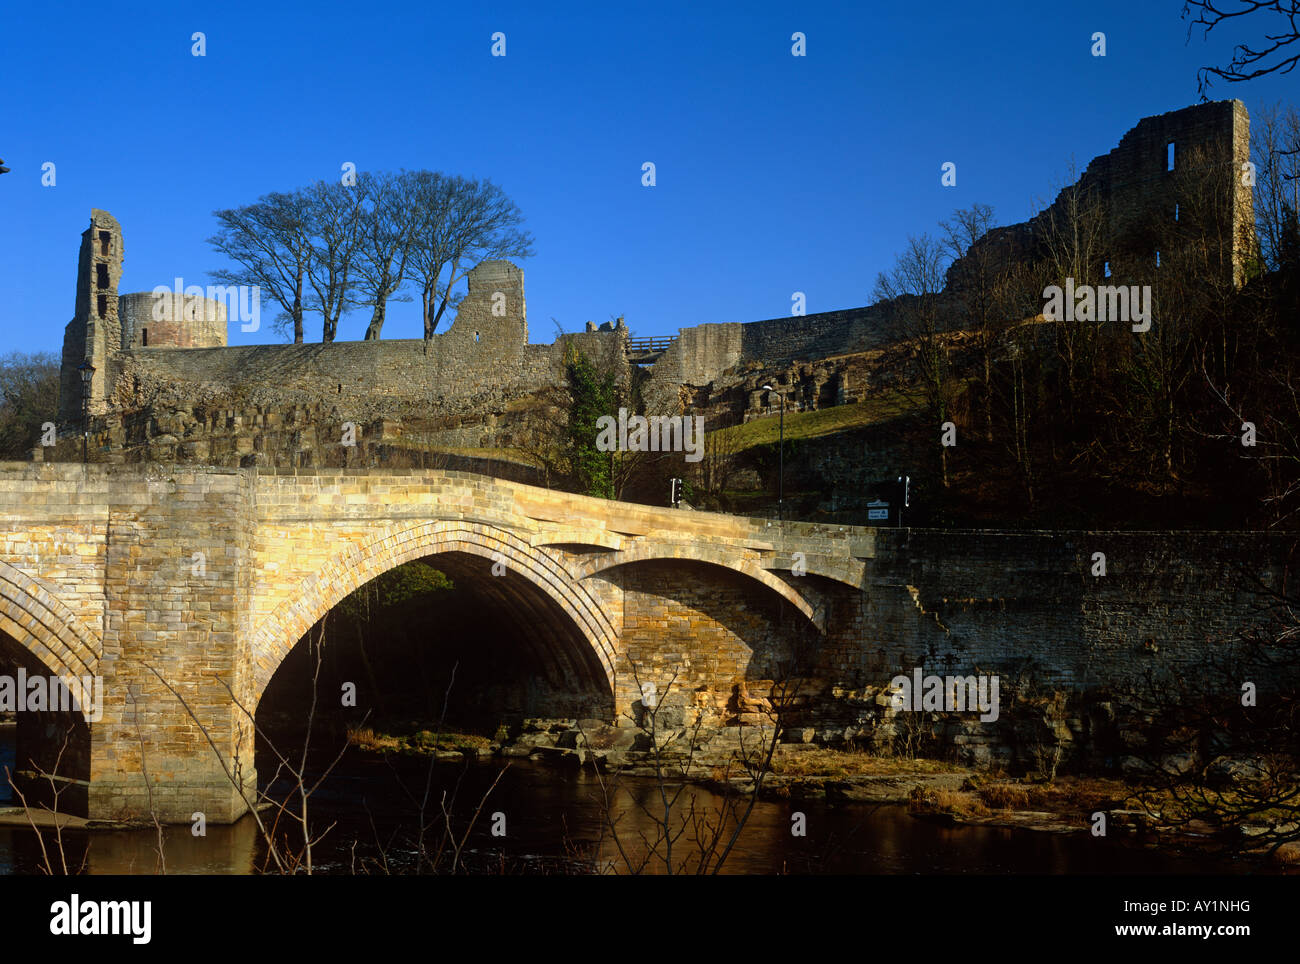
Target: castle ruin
{"x":167,"y":387}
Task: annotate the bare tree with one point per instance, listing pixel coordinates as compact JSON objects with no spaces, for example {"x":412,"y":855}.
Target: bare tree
{"x":539,"y":431}
{"x":1279,"y":53}
{"x":335,"y":217}
{"x":1218,"y":752}
{"x":973,"y":282}
{"x":1274,"y":403}
{"x":1074,"y":242}
{"x":437,"y":845}
{"x":915,"y":285}
{"x":161,"y":866}
{"x":332,"y":247}
{"x":270,"y":240}
{"x":57,"y":785}
{"x":1232,"y":342}
{"x":1149,"y":413}
{"x":629,"y":468}
{"x":1275,"y":149}
{"x":462,"y":222}
{"x":29,"y":392}
{"x":715,"y":470}
{"x":671,"y":832}
{"x":1018,"y":394}
{"x":289,"y":857}
{"x":389,"y":222}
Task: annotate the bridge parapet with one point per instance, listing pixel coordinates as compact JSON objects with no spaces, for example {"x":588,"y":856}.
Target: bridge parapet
{"x":834,"y":551}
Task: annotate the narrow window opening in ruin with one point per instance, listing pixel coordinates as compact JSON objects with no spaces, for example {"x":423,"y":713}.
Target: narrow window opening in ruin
{"x":1169,"y":156}
{"x":476,"y":337}
{"x":340,"y":388}
{"x":103,"y":242}
{"x":101,"y":276}
{"x":144,"y":337}
{"x":1106,"y":269}
{"x":1175,"y":212}
{"x":1157,"y":259}
{"x":101,"y":304}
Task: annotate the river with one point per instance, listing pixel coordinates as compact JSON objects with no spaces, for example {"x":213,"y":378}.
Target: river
{"x":544,"y":815}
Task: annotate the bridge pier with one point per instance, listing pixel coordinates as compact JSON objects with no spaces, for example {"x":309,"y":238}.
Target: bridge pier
{"x":151,"y":756}
{"x":178,"y":576}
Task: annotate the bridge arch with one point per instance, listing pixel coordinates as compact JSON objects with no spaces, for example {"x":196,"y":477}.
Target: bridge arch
{"x":384,"y":551}
{"x":46,"y":628}
{"x":661,"y":552}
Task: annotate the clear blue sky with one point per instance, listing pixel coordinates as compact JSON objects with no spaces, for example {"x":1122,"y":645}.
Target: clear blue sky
{"x":775,"y":173}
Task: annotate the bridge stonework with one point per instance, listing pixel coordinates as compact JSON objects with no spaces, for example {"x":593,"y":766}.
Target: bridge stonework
{"x":185,"y":587}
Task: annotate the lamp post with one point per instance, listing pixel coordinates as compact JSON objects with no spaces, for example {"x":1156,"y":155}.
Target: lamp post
{"x":87,"y":376}
{"x":780,"y":472}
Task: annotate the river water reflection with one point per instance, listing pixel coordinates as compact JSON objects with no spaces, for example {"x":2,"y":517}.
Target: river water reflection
{"x":549,"y":814}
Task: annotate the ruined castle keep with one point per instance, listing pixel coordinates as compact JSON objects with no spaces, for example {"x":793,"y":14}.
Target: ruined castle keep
{"x":1142,"y":189}
{"x":167,"y":387}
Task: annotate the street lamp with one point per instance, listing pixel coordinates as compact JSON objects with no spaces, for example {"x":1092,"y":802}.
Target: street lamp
{"x":780,"y":472}
{"x":87,"y":376}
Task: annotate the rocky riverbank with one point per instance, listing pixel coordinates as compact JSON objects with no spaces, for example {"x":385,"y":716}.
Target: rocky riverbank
{"x":728,"y":759}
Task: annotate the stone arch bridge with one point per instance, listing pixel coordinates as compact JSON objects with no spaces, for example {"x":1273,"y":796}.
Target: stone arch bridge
{"x":177,"y":583}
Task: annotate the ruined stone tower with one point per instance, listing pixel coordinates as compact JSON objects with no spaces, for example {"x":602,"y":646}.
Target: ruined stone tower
{"x":166,"y":319}
{"x":493,"y":312}
{"x":1173,"y":180}
{"x":1187,"y":163}
{"x":95,"y":329}
{"x":107,"y":324}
